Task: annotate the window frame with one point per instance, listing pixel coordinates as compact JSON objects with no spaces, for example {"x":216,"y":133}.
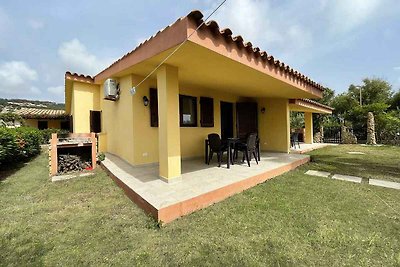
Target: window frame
{"x":194,"y":101}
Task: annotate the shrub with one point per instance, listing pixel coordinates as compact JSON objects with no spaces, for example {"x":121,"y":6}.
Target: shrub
{"x":18,"y":144}
{"x":9,"y":116}
{"x":46,"y":134}
{"x":388,"y":128}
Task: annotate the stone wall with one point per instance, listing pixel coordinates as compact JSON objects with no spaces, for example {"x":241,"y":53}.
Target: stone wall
{"x":347,"y":136}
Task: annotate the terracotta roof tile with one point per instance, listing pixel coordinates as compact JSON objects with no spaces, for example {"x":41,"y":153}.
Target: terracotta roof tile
{"x":312,"y":102}
{"x":212,"y":25}
{"x":79,"y":77}
{"x":39,"y":113}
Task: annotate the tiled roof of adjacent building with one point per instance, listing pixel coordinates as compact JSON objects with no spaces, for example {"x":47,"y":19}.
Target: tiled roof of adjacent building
{"x":39,"y":113}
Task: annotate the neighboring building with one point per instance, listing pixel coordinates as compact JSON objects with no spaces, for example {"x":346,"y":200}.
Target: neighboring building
{"x":213,"y":83}
{"x":44,"y":118}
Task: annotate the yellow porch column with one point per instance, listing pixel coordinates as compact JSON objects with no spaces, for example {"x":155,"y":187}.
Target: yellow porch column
{"x":274,"y":124}
{"x":308,"y":139}
{"x":168,"y":126}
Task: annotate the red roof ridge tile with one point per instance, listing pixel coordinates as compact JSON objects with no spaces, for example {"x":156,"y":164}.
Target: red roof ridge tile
{"x":197,"y":16}
{"x":79,"y":77}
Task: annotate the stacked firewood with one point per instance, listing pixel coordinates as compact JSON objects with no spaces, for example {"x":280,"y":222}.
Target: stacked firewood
{"x":71,"y":163}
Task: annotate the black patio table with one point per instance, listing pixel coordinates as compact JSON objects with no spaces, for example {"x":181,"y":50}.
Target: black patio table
{"x":231,"y":145}
{"x":231,"y":142}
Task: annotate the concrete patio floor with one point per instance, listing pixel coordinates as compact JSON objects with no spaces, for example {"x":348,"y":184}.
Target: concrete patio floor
{"x":201,"y":185}
{"x":304,"y":148}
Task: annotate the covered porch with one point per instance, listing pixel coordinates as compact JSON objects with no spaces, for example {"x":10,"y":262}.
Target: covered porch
{"x":308,"y":107}
{"x":210,"y":64}
{"x":201,"y":185}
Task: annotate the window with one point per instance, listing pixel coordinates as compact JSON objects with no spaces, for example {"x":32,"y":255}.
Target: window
{"x":188,"y":111}
{"x":65,"y":125}
{"x":95,"y":121}
{"x":206,"y":112}
{"x":43,"y":125}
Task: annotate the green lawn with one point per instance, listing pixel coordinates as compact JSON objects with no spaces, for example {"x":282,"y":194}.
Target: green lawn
{"x":377,"y":162}
{"x":293,"y":219}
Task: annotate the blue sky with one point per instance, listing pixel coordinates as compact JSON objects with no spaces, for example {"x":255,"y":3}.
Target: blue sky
{"x":336,"y":43}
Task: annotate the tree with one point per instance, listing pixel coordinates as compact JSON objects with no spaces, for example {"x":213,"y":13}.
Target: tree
{"x":372,"y":91}
{"x":327,"y":96}
{"x":343,"y":104}
{"x":395,"y":102}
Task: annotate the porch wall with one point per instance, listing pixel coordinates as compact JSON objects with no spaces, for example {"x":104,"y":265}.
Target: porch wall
{"x":145,"y":141}
{"x":274,"y":124}
{"x":117,"y":123}
{"x":127,"y":132}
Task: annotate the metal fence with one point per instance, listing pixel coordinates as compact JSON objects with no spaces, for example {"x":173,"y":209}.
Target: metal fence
{"x":332,"y":135}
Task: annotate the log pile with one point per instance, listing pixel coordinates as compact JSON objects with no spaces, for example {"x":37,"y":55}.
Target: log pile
{"x":71,"y":163}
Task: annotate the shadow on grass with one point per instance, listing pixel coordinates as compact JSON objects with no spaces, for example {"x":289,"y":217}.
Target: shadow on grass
{"x":368,"y":165}
{"x":11,"y":168}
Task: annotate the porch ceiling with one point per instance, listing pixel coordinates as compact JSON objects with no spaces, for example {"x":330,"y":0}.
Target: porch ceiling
{"x":200,"y":67}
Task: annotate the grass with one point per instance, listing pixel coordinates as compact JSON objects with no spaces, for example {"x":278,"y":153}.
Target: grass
{"x":378,"y":162}
{"x":293,"y":219}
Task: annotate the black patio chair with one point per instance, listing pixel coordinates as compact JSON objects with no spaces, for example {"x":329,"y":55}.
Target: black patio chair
{"x":248,"y":148}
{"x":216,"y":146}
{"x":294,"y":138}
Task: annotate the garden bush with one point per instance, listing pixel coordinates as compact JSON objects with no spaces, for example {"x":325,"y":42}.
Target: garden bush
{"x":46,"y":134}
{"x":388,"y":128}
{"x":18,"y":144}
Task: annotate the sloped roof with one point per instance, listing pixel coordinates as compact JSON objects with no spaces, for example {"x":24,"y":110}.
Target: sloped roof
{"x":311,"y":104}
{"x":213,"y":26}
{"x":79,"y":77}
{"x":38,"y":113}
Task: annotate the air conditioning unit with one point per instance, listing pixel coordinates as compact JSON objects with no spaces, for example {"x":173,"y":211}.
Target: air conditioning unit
{"x":111,"y":89}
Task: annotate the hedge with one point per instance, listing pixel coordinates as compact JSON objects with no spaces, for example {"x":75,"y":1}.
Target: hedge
{"x":18,"y":144}
{"x":46,"y":134}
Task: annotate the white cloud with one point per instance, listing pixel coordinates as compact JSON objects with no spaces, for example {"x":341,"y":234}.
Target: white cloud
{"x":298,"y":30}
{"x":56,"y":90}
{"x":397,"y":68}
{"x":36,"y":24}
{"x":34,"y":90}
{"x":344,"y":16}
{"x":77,"y":58}
{"x":17,"y":77}
{"x":273,"y":28}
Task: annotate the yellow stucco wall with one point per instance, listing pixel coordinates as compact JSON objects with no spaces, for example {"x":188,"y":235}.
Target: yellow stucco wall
{"x":117,"y":122}
{"x":145,"y":141}
{"x":308,"y":119}
{"x":274,"y":124}
{"x":126,"y":129}
{"x":32,"y":122}
{"x":54,"y":123}
{"x":85,"y":97}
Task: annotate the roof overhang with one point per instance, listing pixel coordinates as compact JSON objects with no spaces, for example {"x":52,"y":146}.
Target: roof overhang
{"x":307,"y":105}
{"x":213,"y":59}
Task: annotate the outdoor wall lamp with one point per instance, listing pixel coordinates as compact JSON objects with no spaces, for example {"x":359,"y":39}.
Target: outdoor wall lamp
{"x":145,"y":101}
{"x":263,"y":110}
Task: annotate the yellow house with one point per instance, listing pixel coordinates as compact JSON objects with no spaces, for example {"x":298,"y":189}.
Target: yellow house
{"x":44,"y":118}
{"x":187,"y":81}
